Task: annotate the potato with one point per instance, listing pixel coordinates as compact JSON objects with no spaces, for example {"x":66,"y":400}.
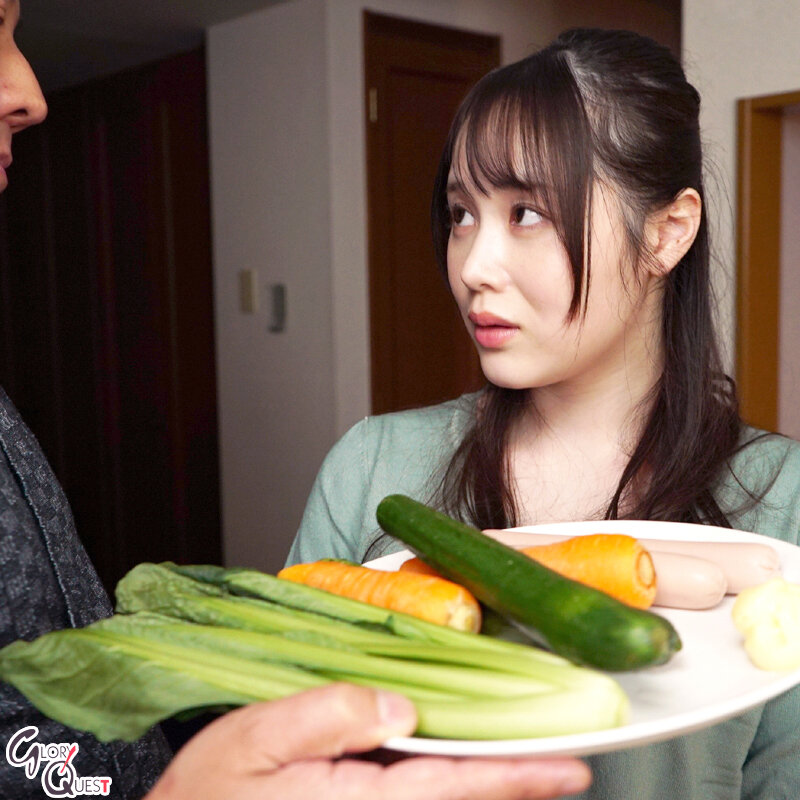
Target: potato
{"x":768,"y":616}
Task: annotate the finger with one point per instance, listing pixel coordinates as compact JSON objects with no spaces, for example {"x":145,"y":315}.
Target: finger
{"x":435,"y":779}
{"x":323,"y":723}
{"x":486,"y":779}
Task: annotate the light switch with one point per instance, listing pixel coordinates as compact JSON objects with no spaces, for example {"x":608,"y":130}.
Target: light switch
{"x":248,"y":291}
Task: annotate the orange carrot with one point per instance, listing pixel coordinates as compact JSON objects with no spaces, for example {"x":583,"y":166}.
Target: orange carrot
{"x":418,"y":566}
{"x":614,"y":563}
{"x":428,"y":597}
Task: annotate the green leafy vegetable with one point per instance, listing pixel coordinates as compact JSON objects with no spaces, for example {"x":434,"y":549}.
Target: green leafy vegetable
{"x":119,"y":686}
{"x":193,"y":638}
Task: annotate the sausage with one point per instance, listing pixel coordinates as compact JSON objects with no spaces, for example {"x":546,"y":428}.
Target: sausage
{"x":687,"y":582}
{"x":744,"y":564}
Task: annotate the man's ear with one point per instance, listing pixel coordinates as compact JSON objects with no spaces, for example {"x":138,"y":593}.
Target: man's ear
{"x":670,"y":231}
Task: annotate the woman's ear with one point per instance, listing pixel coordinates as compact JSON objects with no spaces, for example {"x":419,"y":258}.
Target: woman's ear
{"x":671,"y":231}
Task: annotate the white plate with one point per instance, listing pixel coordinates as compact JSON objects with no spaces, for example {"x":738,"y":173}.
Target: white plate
{"x":709,"y":680}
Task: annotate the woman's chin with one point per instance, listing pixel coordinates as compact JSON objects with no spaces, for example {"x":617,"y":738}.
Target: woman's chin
{"x":506,"y":381}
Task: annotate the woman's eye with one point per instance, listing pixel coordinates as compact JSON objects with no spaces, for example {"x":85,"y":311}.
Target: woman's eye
{"x":461,"y":217}
{"x":525,"y":217}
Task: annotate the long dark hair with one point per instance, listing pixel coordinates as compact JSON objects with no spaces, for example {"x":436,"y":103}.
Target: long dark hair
{"x":610,"y":106}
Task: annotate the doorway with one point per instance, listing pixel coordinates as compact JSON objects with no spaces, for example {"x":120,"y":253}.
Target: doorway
{"x":415,"y":77}
{"x":768,"y":269}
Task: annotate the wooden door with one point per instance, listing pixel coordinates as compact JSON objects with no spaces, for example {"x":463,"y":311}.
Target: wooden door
{"x":416,"y":76}
{"x":758,"y":235}
{"x":106,"y":337}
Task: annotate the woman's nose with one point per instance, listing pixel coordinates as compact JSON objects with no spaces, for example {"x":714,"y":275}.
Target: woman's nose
{"x":482,"y":267}
{"x":21,"y":100}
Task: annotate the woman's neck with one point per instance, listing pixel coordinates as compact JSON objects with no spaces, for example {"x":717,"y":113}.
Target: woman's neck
{"x":567,"y":454}
{"x":611,"y":409}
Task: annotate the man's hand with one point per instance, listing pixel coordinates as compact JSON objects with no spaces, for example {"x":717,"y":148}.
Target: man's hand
{"x":291,"y":749}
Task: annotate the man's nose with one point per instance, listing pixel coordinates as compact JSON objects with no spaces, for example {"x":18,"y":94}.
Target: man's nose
{"x":21,"y":100}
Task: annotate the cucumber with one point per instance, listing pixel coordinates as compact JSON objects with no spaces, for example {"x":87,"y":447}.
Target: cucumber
{"x":578,"y":622}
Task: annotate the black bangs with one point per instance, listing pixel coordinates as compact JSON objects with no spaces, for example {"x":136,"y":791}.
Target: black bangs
{"x":524,"y":126}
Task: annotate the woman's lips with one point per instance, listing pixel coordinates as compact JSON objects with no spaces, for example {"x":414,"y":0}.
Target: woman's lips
{"x":492,"y":331}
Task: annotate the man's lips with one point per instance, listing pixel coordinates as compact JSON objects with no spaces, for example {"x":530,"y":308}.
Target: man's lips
{"x":491,"y":331}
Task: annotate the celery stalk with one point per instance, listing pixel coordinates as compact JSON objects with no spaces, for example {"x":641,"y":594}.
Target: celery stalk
{"x":341,"y":663}
{"x":555,"y":713}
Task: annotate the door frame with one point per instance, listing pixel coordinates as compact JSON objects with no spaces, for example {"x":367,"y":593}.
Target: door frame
{"x":758,"y":232}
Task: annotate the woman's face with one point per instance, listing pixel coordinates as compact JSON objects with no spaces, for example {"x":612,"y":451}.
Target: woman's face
{"x":511,"y":277}
{"x":21,"y":100}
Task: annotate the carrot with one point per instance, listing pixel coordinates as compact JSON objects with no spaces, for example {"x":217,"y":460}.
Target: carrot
{"x":429,"y":597}
{"x":418,"y":566}
{"x":614,"y":563}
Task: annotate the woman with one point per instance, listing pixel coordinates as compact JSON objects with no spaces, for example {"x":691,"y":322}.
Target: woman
{"x":568,"y":217}
{"x":288,"y":749}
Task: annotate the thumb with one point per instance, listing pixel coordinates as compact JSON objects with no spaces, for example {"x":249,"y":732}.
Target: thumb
{"x":328,"y":722}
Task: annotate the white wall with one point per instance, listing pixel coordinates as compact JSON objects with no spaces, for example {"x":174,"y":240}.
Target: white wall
{"x":734,"y":49}
{"x":789,"y":376}
{"x":288,"y":197}
{"x":270,"y":178}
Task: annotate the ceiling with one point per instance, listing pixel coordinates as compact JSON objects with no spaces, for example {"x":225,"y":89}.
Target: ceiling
{"x":70,"y":41}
